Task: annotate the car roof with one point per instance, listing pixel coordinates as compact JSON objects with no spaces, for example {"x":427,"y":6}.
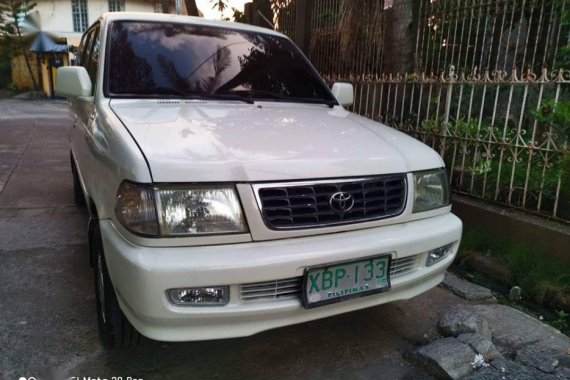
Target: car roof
{"x":165,"y":17}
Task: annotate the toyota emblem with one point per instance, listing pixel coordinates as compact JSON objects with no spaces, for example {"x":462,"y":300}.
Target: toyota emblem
{"x":341,"y":202}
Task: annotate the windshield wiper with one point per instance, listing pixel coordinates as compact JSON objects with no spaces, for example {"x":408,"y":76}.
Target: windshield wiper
{"x":207,"y":96}
{"x":330,"y":103}
{"x":175,"y":92}
{"x":262,"y":94}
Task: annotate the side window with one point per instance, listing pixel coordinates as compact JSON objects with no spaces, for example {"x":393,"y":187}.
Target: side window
{"x":93,"y":61}
{"x":90,"y":54}
{"x":79,"y":51}
{"x":84,"y":53}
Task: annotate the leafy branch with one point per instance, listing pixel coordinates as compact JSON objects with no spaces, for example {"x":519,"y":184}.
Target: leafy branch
{"x":11,"y":11}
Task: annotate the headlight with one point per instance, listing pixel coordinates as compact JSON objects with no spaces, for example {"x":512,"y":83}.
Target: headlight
{"x":200,"y":210}
{"x":431,"y":190}
{"x":179,"y":211}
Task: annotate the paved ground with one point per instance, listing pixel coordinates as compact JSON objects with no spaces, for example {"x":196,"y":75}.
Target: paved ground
{"x":47,"y":312}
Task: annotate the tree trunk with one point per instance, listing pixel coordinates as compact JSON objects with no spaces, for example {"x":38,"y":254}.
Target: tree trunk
{"x":192,"y":8}
{"x":165,"y":6}
{"x":264,"y":7}
{"x":26,"y":58}
{"x":400,"y":36}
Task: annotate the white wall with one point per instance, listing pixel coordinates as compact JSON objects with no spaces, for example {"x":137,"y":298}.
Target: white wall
{"x":55,"y":15}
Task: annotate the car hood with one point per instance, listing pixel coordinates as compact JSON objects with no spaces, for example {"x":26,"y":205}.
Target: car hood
{"x":196,"y":141}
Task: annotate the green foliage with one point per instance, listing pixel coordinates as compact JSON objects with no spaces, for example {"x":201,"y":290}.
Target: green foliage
{"x":5,"y":68}
{"x":501,"y":174}
{"x":563,"y":57}
{"x":461,"y":128}
{"x":556,"y":116}
{"x":434,"y":100}
{"x":430,"y":125}
{"x":220,"y":5}
{"x":544,"y":281}
{"x":565,"y":173}
{"x":10,"y":12}
{"x":328,"y":17}
{"x":468,"y":128}
{"x":561,"y":321}
{"x":239,"y":16}
{"x":11,"y":42}
{"x":532,"y":176}
{"x":483,"y":167}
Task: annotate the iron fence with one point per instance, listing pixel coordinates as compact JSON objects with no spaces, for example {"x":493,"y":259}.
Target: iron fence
{"x":492,"y":129}
{"x":346,"y":38}
{"x":498,"y":34}
{"x":477,"y":87}
{"x":285,"y":12}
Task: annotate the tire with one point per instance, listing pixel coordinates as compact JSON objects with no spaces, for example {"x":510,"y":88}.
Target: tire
{"x":115,"y":331}
{"x":78,"y":196}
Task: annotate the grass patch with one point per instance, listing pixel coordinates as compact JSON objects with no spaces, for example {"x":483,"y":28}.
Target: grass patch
{"x":546,"y":282}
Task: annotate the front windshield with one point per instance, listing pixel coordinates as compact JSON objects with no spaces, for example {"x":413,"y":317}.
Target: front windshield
{"x":160,"y":59}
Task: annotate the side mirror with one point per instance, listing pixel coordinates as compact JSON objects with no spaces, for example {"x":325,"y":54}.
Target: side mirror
{"x":72,"y":81}
{"x":344,"y":93}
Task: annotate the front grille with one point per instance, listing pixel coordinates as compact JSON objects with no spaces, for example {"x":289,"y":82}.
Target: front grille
{"x":403,"y":265}
{"x":271,"y":290}
{"x":291,"y":288}
{"x":295,"y":205}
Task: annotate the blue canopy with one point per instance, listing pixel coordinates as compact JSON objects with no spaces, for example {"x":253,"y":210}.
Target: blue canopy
{"x":44,"y":44}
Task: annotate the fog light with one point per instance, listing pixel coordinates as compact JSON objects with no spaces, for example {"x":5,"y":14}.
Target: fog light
{"x":211,"y":296}
{"x":438,"y":254}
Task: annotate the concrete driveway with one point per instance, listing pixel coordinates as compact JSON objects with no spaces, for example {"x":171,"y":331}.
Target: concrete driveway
{"x":47,"y":307}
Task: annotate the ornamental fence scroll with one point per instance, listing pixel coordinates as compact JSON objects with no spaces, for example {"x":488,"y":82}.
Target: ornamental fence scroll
{"x":504,"y":136}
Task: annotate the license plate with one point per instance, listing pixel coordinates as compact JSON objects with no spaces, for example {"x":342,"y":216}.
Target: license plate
{"x":344,"y":280}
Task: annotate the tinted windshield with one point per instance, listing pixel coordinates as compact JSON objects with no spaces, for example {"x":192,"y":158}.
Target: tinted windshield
{"x":169,"y":59}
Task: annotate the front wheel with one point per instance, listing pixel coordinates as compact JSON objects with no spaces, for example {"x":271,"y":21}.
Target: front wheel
{"x":115,"y":330}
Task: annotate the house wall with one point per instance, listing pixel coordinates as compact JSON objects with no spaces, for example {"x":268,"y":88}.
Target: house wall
{"x":21,"y":77}
{"x":56,"y":17}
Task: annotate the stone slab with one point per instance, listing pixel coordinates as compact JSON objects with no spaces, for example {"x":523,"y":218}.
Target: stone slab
{"x":459,"y":321}
{"x":481,"y":345}
{"x":512,"y":329}
{"x":467,"y":290}
{"x":445,"y":358}
{"x":540,"y":357}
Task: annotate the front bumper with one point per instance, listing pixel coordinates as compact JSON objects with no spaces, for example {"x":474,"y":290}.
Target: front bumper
{"x":141,"y":276}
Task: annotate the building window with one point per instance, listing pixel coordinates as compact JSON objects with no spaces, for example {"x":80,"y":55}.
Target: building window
{"x":116,"y":5}
{"x":79,"y":14}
